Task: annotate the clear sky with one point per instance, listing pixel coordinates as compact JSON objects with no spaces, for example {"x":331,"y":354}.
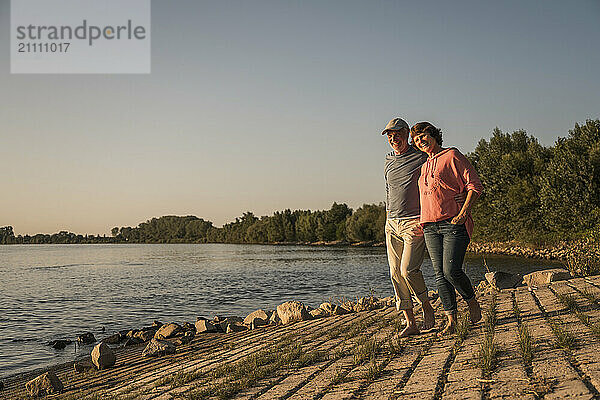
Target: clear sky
{"x":266,"y":105}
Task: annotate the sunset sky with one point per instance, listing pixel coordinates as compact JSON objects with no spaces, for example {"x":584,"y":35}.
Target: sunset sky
{"x":266,"y":105}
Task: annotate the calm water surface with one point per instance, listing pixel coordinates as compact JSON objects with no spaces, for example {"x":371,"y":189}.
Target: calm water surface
{"x":59,"y":291}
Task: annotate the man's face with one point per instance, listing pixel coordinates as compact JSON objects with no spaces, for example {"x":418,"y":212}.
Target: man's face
{"x":398,"y":140}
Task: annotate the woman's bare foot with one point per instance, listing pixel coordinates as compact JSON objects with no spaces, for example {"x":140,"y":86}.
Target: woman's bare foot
{"x":409,"y":331}
{"x":474,"y":310}
{"x":448,"y":330}
{"x":428,"y":317}
{"x":450,"y":325}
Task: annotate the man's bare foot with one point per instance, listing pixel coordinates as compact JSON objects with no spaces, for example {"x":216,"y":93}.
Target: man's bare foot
{"x":409,"y":331}
{"x":474,"y":310}
{"x":428,"y":318}
{"x":448,"y":330}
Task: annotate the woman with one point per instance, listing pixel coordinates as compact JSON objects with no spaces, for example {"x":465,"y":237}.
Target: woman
{"x":447,"y":225}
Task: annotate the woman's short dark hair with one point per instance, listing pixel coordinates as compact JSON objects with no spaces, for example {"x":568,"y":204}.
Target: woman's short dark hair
{"x":426,"y":127}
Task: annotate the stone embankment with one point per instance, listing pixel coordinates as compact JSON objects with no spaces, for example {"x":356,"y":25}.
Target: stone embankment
{"x":557,"y":252}
{"x":536,"y":341}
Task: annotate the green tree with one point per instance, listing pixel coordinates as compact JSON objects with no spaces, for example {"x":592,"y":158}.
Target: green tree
{"x":367,"y":223}
{"x":510,"y":167}
{"x":570,"y":190}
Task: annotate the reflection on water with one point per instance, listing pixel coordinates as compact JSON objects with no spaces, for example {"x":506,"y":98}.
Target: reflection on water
{"x":59,"y":291}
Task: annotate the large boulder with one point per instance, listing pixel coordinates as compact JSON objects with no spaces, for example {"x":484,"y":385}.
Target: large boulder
{"x":203,"y":325}
{"x":257,"y":318}
{"x":44,"y":384}
{"x":503,"y":280}
{"x":158,"y":348}
{"x":102,"y":356}
{"x":86,"y":338}
{"x":168,"y":331}
{"x":545,"y":277}
{"x":292,"y":311}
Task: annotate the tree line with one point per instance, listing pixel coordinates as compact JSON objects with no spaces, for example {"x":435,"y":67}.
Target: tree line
{"x":533,"y":195}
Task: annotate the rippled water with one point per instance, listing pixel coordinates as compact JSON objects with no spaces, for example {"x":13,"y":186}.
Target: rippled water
{"x":59,"y":291}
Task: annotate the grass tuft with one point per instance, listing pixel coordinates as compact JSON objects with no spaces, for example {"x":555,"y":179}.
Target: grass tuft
{"x":488,"y":350}
{"x":564,"y":338}
{"x":365,"y":349}
{"x":568,"y":301}
{"x":525,"y":344}
{"x":487,"y":354}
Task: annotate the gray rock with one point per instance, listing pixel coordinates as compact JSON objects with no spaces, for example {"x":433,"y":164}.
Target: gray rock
{"x":204,"y":325}
{"x":157,"y":348}
{"x":59,"y":344}
{"x":329,"y":308}
{"x":227,"y":321}
{"x":274,"y":320}
{"x":113,"y":339}
{"x":102,"y":356}
{"x":545,"y":277}
{"x":144,"y":335}
{"x":44,"y":384}
{"x":319,"y":313}
{"x":503,"y":280}
{"x":257,"y":318}
{"x":292,"y":311}
{"x":218,"y":318}
{"x":341,"y":310}
{"x":188,"y":327}
{"x":187,"y":337}
{"x":366,"y":304}
{"x":86,"y":338}
{"x":168,"y":331}
{"x":236,"y":327}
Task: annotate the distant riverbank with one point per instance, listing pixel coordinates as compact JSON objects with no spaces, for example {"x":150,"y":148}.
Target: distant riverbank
{"x":510,"y":248}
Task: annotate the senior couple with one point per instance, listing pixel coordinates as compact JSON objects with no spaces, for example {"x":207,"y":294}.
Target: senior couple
{"x":430,"y":191}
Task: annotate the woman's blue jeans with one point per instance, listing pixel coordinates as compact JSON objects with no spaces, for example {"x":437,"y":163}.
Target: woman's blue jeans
{"x":447,"y":244}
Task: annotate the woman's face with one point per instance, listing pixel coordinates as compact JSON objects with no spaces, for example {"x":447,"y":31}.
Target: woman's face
{"x":426,"y":143}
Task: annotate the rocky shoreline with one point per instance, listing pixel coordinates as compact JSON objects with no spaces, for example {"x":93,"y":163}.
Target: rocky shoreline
{"x":556,"y":252}
{"x":163,"y":339}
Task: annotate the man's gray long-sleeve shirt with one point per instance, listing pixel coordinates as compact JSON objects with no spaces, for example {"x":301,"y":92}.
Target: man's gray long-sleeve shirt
{"x":402,"y":173}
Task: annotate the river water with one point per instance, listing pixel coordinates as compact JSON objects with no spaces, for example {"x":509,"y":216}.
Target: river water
{"x":51,"y":292}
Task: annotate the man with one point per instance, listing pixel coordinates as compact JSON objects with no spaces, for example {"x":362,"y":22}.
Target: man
{"x":403,"y":234}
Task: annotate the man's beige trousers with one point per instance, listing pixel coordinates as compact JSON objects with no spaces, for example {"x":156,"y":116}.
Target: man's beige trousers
{"x":406,"y":249}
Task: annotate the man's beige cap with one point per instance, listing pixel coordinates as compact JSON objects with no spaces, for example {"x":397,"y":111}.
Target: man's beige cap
{"x":396,"y":124}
